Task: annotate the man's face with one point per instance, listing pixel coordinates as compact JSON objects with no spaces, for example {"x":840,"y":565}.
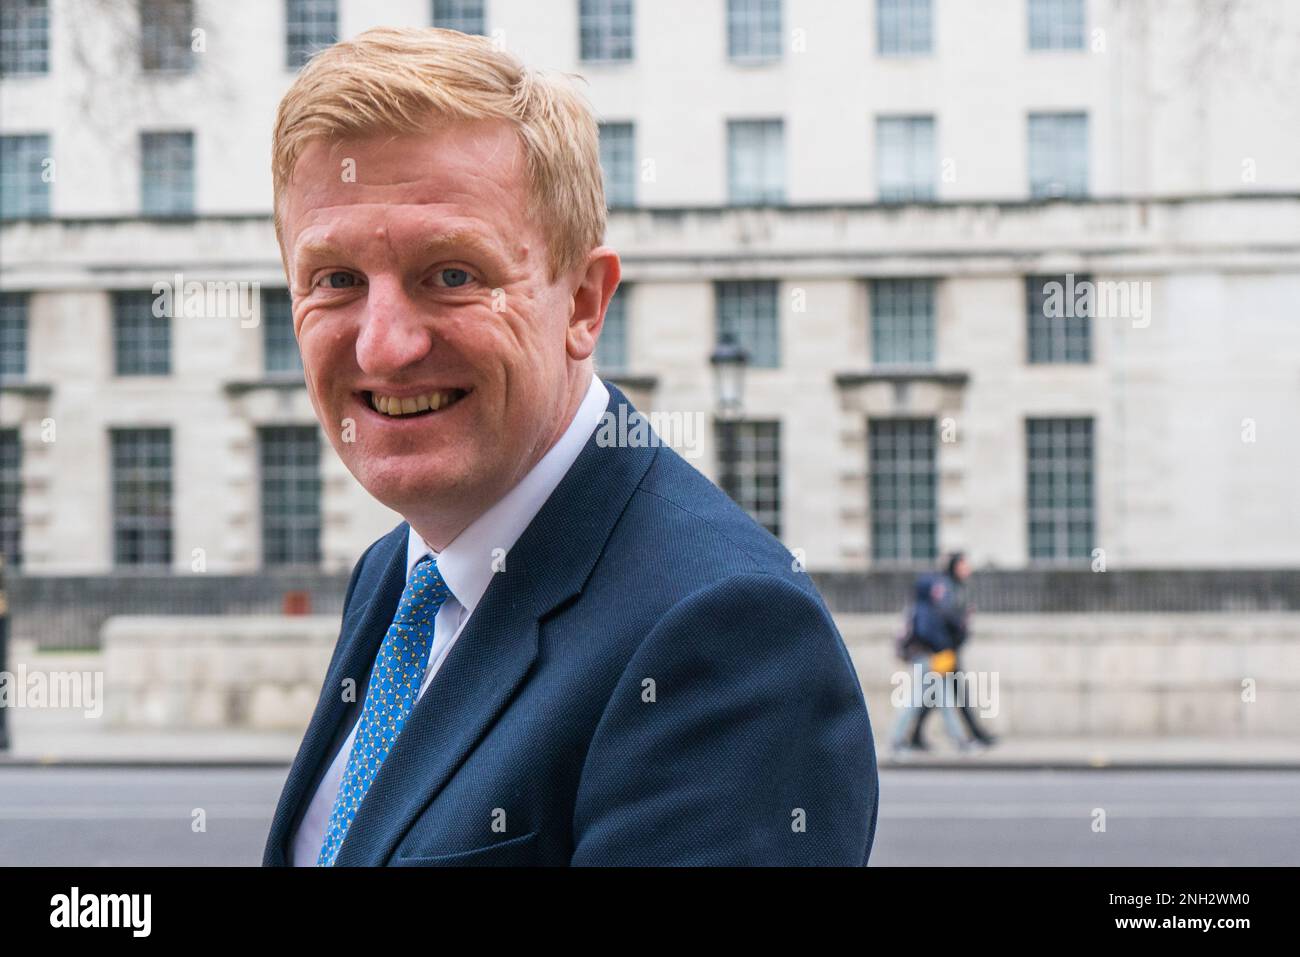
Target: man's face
{"x":420,"y":286}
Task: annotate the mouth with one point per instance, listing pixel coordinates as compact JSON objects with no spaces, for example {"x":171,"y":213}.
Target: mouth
{"x":413,"y":406}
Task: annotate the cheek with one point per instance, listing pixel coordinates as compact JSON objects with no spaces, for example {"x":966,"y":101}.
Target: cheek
{"x":325,"y":349}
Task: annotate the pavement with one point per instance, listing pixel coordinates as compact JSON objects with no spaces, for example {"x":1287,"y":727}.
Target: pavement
{"x":70,"y":816}
{"x":51,"y":736}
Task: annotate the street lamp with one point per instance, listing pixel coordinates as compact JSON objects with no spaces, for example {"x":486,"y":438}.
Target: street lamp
{"x":729,"y":361}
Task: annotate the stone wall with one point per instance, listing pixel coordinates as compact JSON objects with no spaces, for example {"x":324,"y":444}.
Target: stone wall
{"x":255,"y":672}
{"x":1057,"y":675}
{"x":1118,"y":674}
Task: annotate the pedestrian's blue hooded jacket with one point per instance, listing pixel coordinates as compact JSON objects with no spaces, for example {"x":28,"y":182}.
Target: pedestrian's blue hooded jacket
{"x":928,"y":625}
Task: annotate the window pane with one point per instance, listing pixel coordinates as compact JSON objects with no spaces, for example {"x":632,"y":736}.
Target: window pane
{"x":605,"y":29}
{"x":612,"y":346}
{"x":13,"y":334}
{"x":749,"y":456}
{"x":1059,"y":322}
{"x":279,"y":347}
{"x":903,"y":489}
{"x":142,"y":490}
{"x":1060,"y":488}
{"x":289,"y":460}
{"x":903,"y":27}
{"x":310,"y":26}
{"x":11,"y":497}
{"x":902,"y":321}
{"x":618,"y":163}
{"x":24,"y":187}
{"x":754,"y":29}
{"x":24,"y":37}
{"x":142,"y":340}
{"x":467,"y":16}
{"x":1058,"y":154}
{"x":1056,"y":24}
{"x":905,"y":160}
{"x":167,"y":174}
{"x":166,"y":34}
{"x":747,"y":312}
{"x":756,"y":161}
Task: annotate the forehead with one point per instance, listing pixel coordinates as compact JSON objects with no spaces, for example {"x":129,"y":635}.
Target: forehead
{"x":469,"y":171}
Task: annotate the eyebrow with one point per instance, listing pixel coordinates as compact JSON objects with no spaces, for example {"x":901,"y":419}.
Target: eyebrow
{"x":451,"y":239}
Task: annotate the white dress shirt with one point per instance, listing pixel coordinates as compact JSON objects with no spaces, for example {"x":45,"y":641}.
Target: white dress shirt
{"x":467,"y":567}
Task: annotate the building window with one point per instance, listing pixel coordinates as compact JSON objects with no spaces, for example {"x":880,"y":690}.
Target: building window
{"x":903,"y":27}
{"x":1060,"y":321}
{"x":24,"y":37}
{"x":167,"y":174}
{"x":165,"y":36}
{"x":1058,"y":154}
{"x":467,"y":16}
{"x":612,"y":346}
{"x":1056,"y":24}
{"x":1060,"y":457}
{"x":903,"y":496}
{"x":756,"y":162}
{"x":289,"y":459}
{"x":747,"y":313}
{"x":754,"y":29}
{"x":309,"y":27}
{"x":605,"y":29}
{"x":618,"y":163}
{"x":141,"y":339}
{"x":142,"y":496}
{"x":24,"y":186}
{"x":902,"y":321}
{"x":13,"y":335}
{"x":11,"y":497}
{"x":279,"y":346}
{"x":750,"y":469}
{"x":905,"y":162}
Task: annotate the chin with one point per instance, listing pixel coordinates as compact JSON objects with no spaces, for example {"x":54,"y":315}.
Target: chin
{"x":404,"y":484}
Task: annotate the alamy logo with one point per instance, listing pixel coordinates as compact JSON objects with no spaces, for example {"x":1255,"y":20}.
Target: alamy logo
{"x":680,"y":430}
{"x":210,"y":299}
{"x":103,"y":910}
{"x":1075,"y":299}
{"x":53,"y":689}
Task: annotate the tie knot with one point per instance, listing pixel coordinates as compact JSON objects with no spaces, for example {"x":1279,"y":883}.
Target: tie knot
{"x":425,"y":591}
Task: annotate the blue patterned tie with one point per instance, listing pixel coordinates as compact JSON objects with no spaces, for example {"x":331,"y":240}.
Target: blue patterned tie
{"x":390,"y":695}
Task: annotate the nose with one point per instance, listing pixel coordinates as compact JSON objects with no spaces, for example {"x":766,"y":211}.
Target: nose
{"x":395,"y":334}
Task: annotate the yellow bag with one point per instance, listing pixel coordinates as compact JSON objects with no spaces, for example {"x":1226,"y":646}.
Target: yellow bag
{"x":943,"y":662}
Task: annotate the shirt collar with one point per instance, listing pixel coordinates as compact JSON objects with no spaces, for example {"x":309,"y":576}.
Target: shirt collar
{"x":467,"y":564}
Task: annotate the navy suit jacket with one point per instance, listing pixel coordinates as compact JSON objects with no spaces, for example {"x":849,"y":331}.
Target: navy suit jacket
{"x":651,"y":680}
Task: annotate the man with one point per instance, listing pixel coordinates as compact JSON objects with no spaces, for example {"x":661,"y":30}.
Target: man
{"x":955,"y":611}
{"x":930,"y":641}
{"x":574,"y":650}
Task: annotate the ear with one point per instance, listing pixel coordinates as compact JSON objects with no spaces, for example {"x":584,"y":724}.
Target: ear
{"x":590,"y":300}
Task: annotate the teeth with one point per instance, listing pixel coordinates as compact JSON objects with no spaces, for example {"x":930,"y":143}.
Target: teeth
{"x":395,"y":406}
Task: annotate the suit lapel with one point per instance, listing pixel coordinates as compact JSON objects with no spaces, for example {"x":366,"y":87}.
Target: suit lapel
{"x":491,"y":658}
{"x":482,"y":671}
{"x":362,"y":632}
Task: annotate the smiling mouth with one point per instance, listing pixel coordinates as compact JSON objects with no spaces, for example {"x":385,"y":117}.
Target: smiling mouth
{"x":402,"y":407}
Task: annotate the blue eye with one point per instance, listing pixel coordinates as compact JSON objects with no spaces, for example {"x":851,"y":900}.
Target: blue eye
{"x":341,"y":280}
{"x":454,"y":277}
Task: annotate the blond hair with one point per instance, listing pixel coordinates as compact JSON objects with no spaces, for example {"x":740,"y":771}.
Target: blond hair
{"x":403,"y":80}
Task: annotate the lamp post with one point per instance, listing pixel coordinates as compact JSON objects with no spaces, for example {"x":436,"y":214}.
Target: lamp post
{"x":729,"y":361}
